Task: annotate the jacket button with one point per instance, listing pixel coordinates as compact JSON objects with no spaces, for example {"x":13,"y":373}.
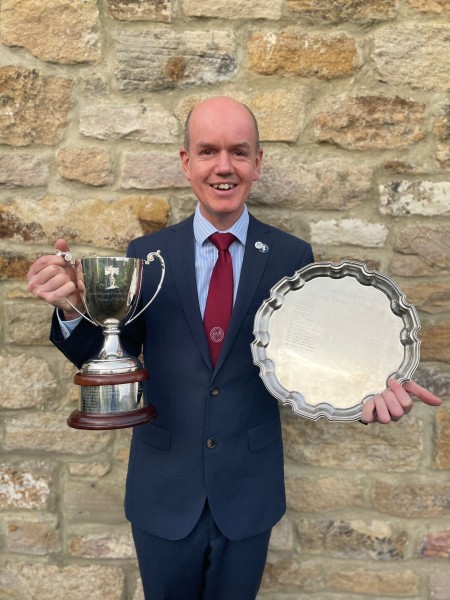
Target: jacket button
{"x":214,"y":391}
{"x":210,"y":442}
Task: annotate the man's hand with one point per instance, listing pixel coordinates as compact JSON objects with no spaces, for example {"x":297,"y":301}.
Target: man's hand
{"x":396,"y":401}
{"x":55,"y":280}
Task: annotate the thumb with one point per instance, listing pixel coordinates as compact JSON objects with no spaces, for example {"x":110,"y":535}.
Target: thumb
{"x":62,"y":245}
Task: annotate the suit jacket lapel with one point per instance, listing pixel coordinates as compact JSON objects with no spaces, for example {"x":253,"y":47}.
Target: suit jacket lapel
{"x":181,"y":253}
{"x":253,"y":267}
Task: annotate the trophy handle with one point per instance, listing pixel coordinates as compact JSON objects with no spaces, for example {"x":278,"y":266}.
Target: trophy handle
{"x":150,"y":258}
{"x":68,"y":256}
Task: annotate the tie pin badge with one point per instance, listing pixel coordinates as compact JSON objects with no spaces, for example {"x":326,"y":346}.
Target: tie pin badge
{"x":261,"y":247}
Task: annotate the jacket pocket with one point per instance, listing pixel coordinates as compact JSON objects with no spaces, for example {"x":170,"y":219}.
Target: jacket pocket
{"x":154,"y":435}
{"x":264,"y":435}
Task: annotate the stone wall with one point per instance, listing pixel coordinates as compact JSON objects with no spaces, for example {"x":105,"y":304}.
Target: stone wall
{"x":353,"y":103}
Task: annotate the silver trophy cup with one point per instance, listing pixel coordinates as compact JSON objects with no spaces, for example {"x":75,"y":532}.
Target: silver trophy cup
{"x":111,"y":383}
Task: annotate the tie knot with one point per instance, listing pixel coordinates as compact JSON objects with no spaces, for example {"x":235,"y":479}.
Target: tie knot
{"x":222,"y":241}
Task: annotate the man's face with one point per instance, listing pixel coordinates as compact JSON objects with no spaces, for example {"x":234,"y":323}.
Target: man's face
{"x":222,"y":161}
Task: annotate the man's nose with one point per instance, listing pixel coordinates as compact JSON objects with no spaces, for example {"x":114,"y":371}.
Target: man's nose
{"x":224,"y":164}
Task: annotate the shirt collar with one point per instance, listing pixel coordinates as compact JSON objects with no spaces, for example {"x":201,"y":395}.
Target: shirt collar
{"x":203,"y":228}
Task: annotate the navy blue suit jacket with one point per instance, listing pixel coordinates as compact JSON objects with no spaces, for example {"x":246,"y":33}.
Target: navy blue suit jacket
{"x":171,"y":468}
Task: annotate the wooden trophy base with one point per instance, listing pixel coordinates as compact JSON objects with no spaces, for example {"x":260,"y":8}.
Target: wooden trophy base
{"x":120,"y":420}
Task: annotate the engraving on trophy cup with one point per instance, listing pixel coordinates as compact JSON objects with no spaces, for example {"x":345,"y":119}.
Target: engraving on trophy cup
{"x":111,"y":383}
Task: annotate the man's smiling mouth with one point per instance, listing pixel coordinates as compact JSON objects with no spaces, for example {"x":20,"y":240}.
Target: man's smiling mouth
{"x":223,"y":186}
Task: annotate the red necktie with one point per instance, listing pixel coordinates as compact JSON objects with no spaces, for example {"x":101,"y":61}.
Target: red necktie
{"x":219,"y":303}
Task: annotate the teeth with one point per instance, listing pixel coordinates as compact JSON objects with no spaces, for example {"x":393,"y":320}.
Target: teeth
{"x":224,"y":186}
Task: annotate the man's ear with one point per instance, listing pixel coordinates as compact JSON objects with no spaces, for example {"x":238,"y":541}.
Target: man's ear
{"x":184,"y":156}
{"x":257,"y":171}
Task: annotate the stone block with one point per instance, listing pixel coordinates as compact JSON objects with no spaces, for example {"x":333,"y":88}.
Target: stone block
{"x":26,"y":485}
{"x":35,"y":107}
{"x":64,"y":32}
{"x":141,"y":10}
{"x":429,"y":244}
{"x":91,"y":166}
{"x":370,"y":122}
{"x":49,"y":433}
{"x":22,"y":170}
{"x":292,"y":574}
{"x":77,"y":582}
{"x":354,"y":232}
{"x":292,"y":52}
{"x":439,"y":584}
{"x":441,"y":131}
{"x":97,"y":222}
{"x":432,"y":7}
{"x":26,"y":381}
{"x":431,"y":297}
{"x":442,"y":440}
{"x":436,"y":544}
{"x":351,"y":538}
{"x":164,"y":59}
{"x":28,"y":322}
{"x":354,"y":11}
{"x":399,"y":583}
{"x":286,"y":181}
{"x":413,"y":55}
{"x":94,"y":502}
{"x":282,"y":536}
{"x":352,"y":446}
{"x":405,"y":198}
{"x":114,"y":544}
{"x":234,"y":9}
{"x":142,"y":122}
{"x":35,"y":534}
{"x":152,"y":170}
{"x":323,"y":493}
{"x":419,"y":497}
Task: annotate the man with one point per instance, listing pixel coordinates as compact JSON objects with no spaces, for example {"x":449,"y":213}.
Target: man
{"x":205,"y":482}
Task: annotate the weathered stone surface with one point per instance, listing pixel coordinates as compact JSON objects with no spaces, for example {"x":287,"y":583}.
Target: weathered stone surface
{"x":435,"y":545}
{"x":34,"y":107}
{"x":354,"y":232}
{"x":442,"y":441}
{"x":22,"y":170}
{"x":142,"y":122}
{"x":95,"y":502}
{"x":292,"y":574}
{"x":428,"y":245}
{"x":89,"y":469}
{"x":430,"y":297}
{"x":282,"y":536}
{"x":152,"y":170}
{"x":64,"y":32}
{"x":33,"y":535}
{"x":404,"y":198}
{"x":434,"y":377}
{"x":280,"y":112}
{"x":435,"y":341}
{"x":77,"y":582}
{"x":439,"y":584}
{"x":164,"y":59}
{"x":351,"y":538}
{"x":442,"y":134}
{"x":439,"y":7}
{"x":293,"y":52}
{"x":91,"y":166}
{"x":234,"y":9}
{"x":141,"y":10}
{"x":318,"y":494}
{"x":330,"y":11}
{"x":26,"y":485}
{"x":14,"y":264}
{"x":370,"y":122}
{"x":28,"y":322}
{"x":380,"y":583}
{"x":48,"y":432}
{"x":419,"y":497}
{"x":109,"y":224}
{"x":26,"y":381}
{"x":286,"y":181}
{"x":113,"y":544}
{"x":413,"y":55}
{"x":351,"y":446}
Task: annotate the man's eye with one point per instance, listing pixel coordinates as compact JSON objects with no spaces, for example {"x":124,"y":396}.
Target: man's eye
{"x":206,"y":152}
{"x":240,"y":153}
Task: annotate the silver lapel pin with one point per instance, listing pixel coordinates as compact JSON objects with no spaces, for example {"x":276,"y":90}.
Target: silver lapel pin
{"x":261,"y":247}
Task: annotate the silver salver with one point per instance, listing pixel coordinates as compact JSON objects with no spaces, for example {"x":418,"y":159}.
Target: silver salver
{"x":329,"y":337}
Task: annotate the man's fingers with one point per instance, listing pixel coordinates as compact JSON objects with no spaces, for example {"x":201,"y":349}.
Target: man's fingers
{"x":423,"y":394}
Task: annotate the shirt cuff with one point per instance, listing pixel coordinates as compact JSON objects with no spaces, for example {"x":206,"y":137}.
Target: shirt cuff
{"x":67,"y":326}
